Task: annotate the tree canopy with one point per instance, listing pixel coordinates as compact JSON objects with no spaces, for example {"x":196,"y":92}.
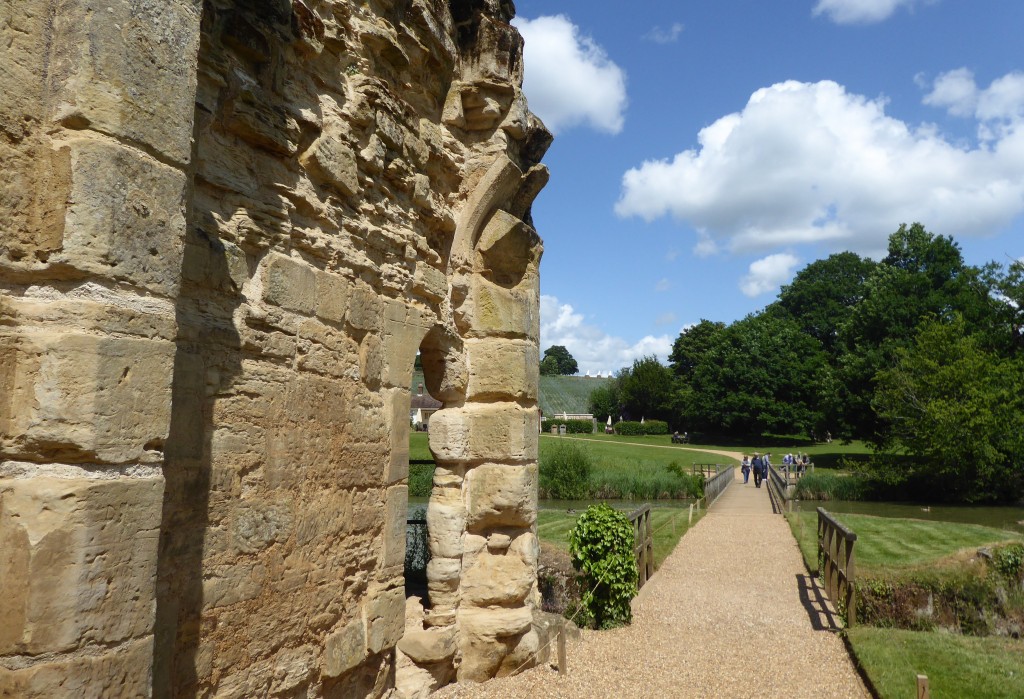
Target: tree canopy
{"x":558,"y":361}
{"x":918,"y":354}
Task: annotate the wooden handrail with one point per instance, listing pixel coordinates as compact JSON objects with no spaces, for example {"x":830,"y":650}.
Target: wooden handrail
{"x":715,"y":485}
{"x":836,"y":563}
{"x":643,"y":548}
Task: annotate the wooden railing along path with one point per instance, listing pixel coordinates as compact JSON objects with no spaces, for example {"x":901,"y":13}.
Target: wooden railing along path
{"x":835,"y":563}
{"x":643,"y":531}
{"x":715,"y":485}
{"x":643,"y":535}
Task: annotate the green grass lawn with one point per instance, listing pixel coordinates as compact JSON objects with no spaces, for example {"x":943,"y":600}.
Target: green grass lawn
{"x":887,"y":545}
{"x":418,"y":447}
{"x":956,"y":666}
{"x":614,"y":451}
{"x":669,"y":525}
{"x":823,"y":455}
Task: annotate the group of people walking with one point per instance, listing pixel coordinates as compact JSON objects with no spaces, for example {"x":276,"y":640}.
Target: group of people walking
{"x":759,"y":465}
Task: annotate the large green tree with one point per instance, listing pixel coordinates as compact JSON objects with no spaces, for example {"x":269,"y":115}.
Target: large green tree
{"x":646,"y":390}
{"x":691,"y":345}
{"x":958,"y":410}
{"x":823,"y":294}
{"x":760,"y":375}
{"x":558,"y":361}
{"x":604,"y":401}
{"x":922,"y":276}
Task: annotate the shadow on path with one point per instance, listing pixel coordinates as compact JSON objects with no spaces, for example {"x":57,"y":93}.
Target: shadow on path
{"x":823,"y":617}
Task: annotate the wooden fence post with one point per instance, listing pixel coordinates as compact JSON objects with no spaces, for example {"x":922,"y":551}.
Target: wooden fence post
{"x":562,"y":669}
{"x":922,"y":687}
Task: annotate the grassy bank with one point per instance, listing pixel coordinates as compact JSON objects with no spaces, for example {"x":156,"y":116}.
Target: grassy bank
{"x":956,"y":666}
{"x":669,"y":525}
{"x":888,"y":545}
{"x":619,"y":470}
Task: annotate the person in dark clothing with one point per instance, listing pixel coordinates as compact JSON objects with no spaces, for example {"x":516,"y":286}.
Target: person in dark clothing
{"x":757,"y":464}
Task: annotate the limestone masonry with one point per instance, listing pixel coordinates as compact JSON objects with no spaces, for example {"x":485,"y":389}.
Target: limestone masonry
{"x":228,"y":226}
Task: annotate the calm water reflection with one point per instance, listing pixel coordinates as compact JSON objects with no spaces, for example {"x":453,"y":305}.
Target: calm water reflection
{"x":1011,"y":518}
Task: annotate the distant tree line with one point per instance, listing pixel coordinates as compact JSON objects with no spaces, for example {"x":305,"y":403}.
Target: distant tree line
{"x":919,"y":354}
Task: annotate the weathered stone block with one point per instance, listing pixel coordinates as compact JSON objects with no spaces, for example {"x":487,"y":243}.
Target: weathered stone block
{"x":289,"y":283}
{"x":396,"y":511}
{"x":126,"y":216}
{"x":502,"y":369}
{"x":79,"y":560}
{"x":129,"y":71}
{"x":497,"y":580}
{"x":84,"y":397}
{"x":484,"y":431}
{"x":430,"y":282}
{"x":402,"y":337}
{"x":496,"y":623}
{"x":494,"y":311}
{"x":120,"y":672}
{"x":427,"y":646}
{"x":344,"y":649}
{"x":333,"y":161}
{"x":501,"y":496}
{"x":397,"y":411}
{"x":508,"y":249}
{"x":384,"y":616}
{"x":331,"y":291}
{"x":366,"y":308}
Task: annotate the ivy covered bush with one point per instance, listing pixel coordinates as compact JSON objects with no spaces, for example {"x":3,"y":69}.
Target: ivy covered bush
{"x":601,"y":547}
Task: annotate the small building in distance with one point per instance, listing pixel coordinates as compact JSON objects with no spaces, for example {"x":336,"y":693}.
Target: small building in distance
{"x":421,"y":407}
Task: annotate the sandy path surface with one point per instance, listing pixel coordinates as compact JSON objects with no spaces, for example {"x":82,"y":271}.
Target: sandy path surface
{"x":731,"y":613}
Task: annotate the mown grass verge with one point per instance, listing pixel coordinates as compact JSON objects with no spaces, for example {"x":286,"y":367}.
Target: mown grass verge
{"x":669,"y":525}
{"x":889,"y":545}
{"x":956,"y":666}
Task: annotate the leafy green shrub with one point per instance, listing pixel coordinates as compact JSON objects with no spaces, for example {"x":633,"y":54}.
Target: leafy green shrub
{"x":601,"y":547}
{"x":655,"y":427}
{"x":635,"y":429}
{"x":629,"y":427}
{"x":571,"y":426}
{"x":565,"y":472}
{"x":1009,"y":561}
{"x":421,"y":479}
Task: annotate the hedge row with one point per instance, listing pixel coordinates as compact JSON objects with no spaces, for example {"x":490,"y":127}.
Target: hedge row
{"x":571,"y":426}
{"x":631,"y":428}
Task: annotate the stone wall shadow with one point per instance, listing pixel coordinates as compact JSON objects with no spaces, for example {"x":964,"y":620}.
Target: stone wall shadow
{"x":208,"y":355}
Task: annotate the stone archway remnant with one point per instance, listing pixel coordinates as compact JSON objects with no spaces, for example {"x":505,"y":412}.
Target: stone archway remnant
{"x":228,"y":227}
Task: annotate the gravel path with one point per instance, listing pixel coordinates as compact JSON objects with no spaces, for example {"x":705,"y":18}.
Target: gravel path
{"x":731,"y":613}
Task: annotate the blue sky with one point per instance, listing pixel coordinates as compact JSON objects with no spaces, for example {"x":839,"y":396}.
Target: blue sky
{"x":707,"y":150}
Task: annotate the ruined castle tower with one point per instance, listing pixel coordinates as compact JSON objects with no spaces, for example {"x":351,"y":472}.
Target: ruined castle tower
{"x":226,"y":229}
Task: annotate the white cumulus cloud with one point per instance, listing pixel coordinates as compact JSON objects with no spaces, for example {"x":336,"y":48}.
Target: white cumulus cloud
{"x":664,"y":35}
{"x":569,"y":79}
{"x":861,"y":11}
{"x":999,"y":108}
{"x":593,"y":349}
{"x":768,"y":274}
{"x":810,"y":163}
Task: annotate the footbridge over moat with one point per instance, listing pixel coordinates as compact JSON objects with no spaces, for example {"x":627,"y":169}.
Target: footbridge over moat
{"x":731,"y":612}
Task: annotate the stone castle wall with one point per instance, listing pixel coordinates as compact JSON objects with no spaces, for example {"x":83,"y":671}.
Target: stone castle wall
{"x":229,"y":226}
